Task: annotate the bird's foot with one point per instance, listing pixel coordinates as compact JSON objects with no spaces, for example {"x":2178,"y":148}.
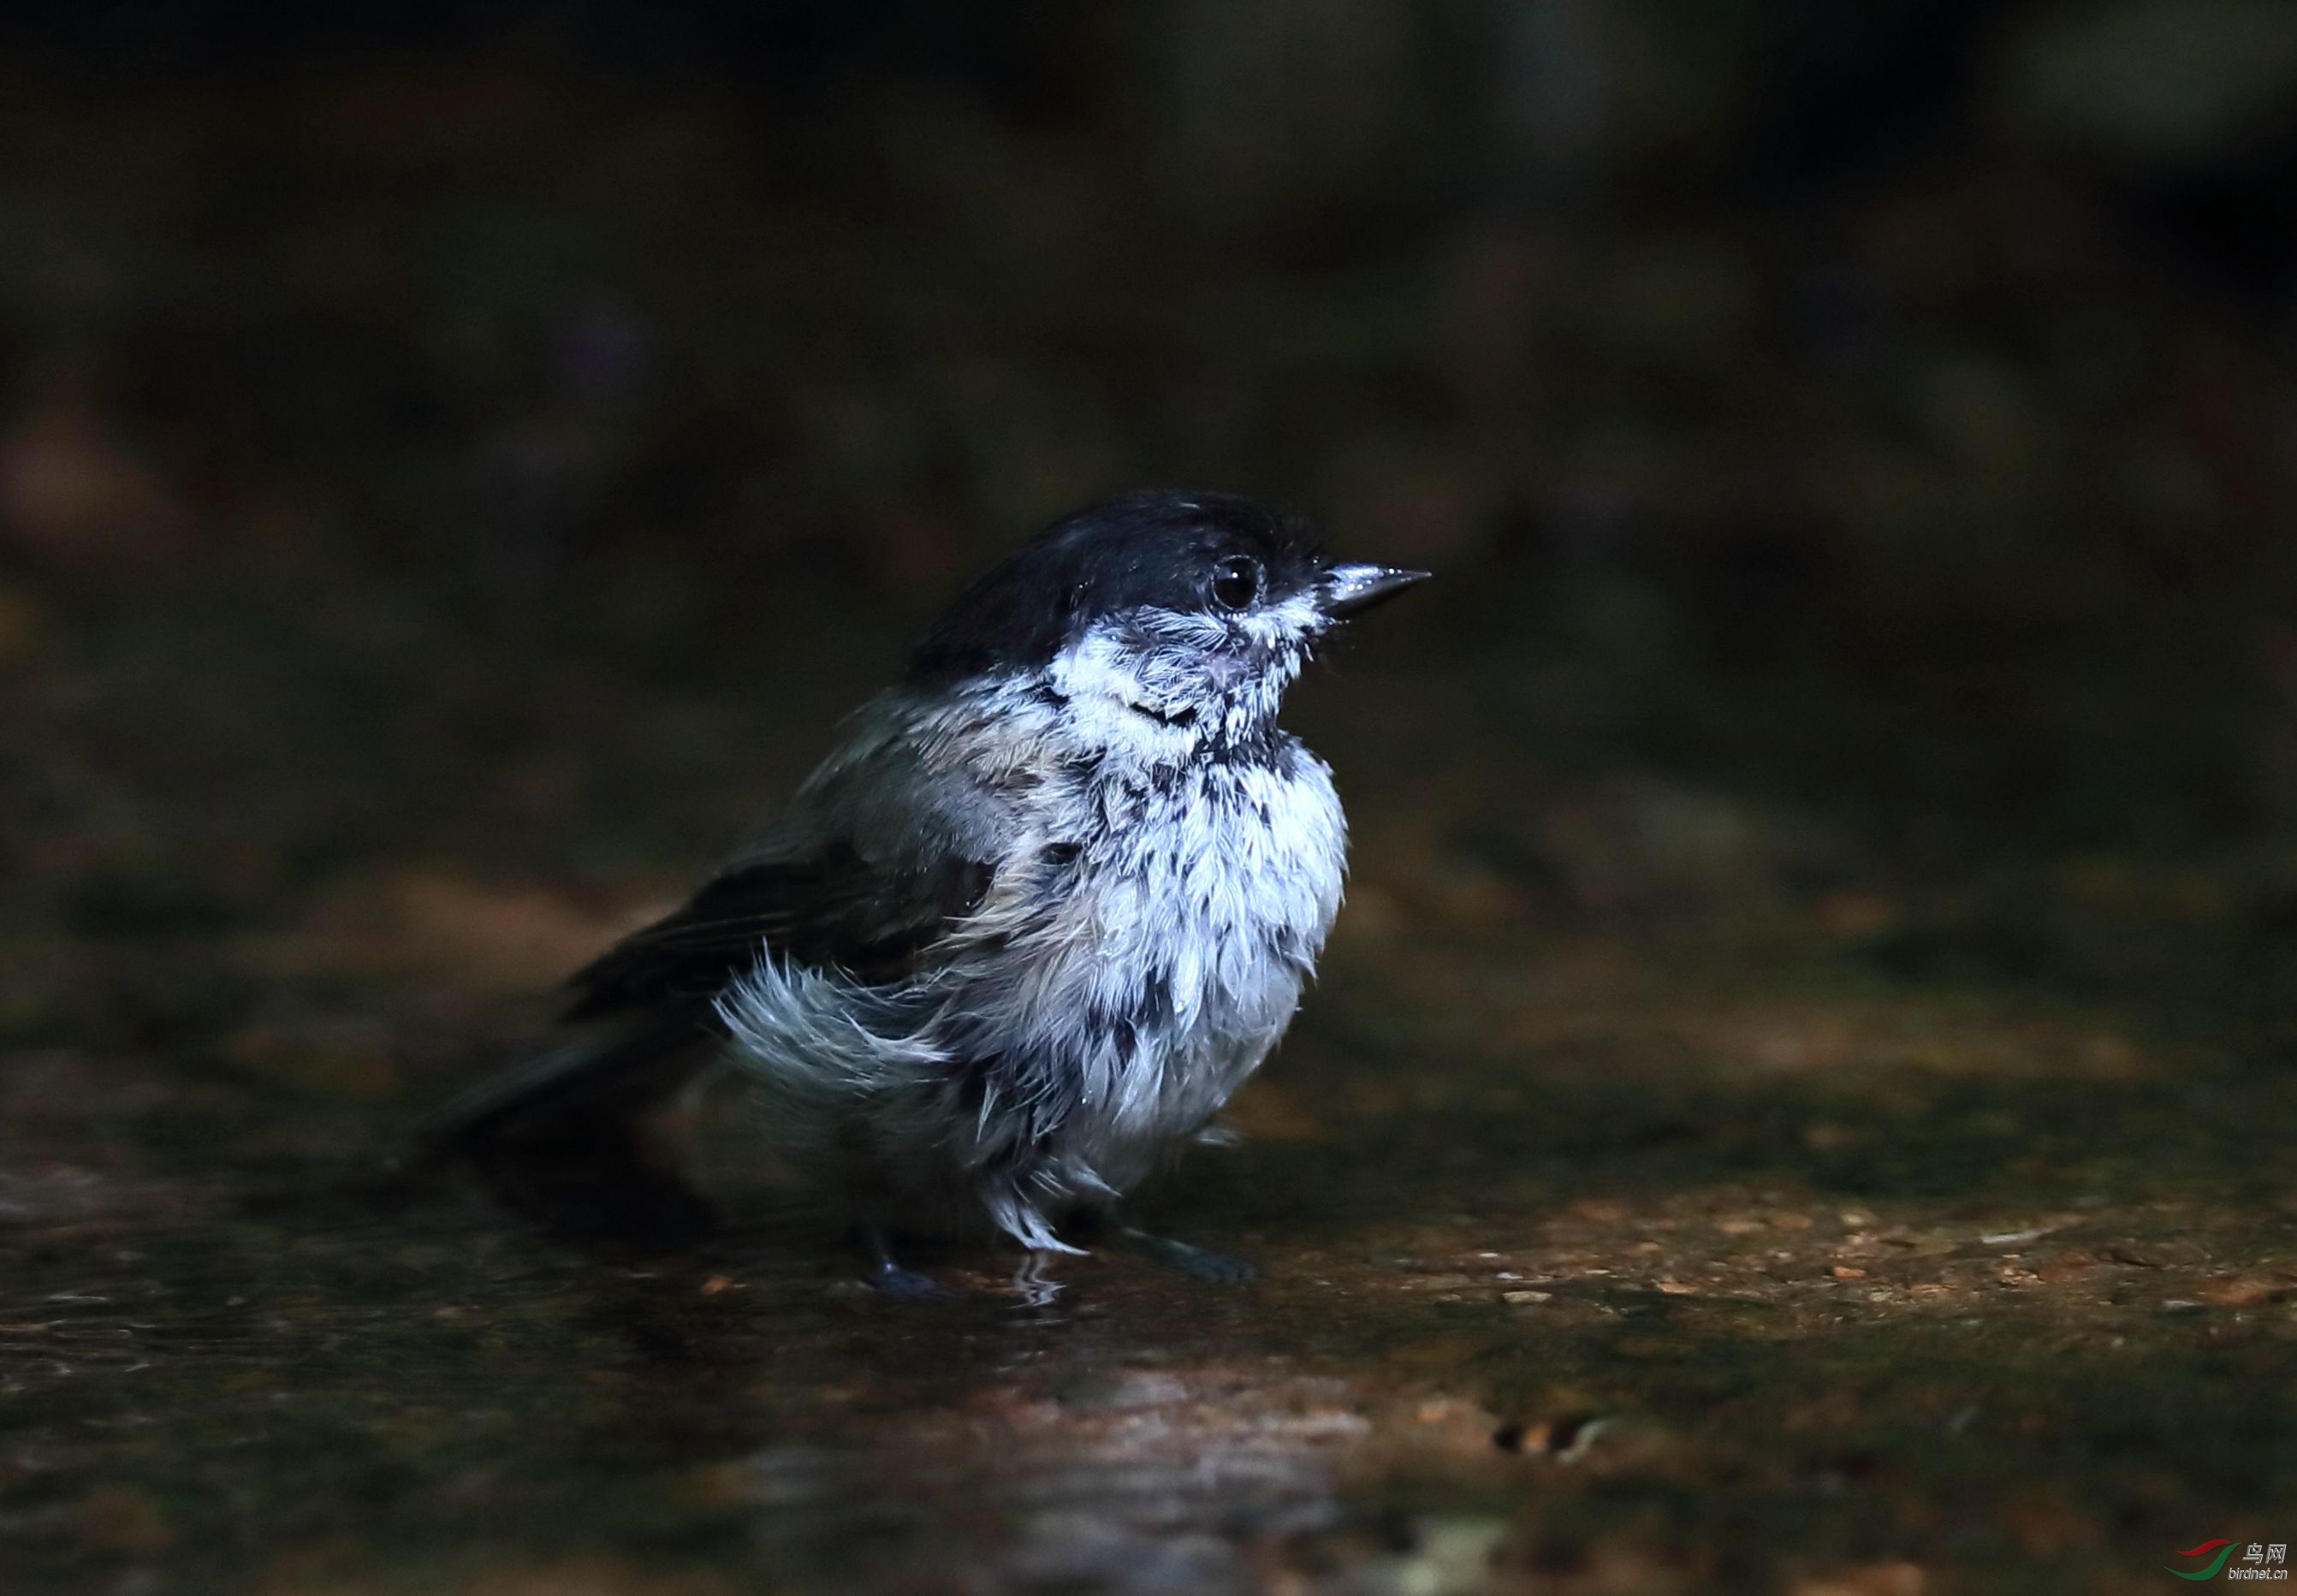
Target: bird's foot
{"x":1201,"y":1263}
{"x":889,"y":1279}
{"x":904,"y":1285}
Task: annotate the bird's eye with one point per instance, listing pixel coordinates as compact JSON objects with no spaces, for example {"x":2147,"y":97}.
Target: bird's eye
{"x":1236,"y":582}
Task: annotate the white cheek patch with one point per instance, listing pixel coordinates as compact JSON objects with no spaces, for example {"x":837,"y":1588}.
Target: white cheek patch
{"x":1115,"y":700}
{"x":1153,"y":683}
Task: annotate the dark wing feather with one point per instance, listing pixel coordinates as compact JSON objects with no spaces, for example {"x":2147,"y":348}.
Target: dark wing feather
{"x":870,"y":895}
{"x":830,"y":908}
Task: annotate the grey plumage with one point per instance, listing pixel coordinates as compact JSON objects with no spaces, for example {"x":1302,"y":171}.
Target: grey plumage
{"x":1048,"y":904}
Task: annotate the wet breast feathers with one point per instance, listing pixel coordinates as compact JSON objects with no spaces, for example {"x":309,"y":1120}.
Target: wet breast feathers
{"x":1148,"y":913}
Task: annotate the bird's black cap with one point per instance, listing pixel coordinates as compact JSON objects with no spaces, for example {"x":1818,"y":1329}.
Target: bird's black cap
{"x":1159,"y":548}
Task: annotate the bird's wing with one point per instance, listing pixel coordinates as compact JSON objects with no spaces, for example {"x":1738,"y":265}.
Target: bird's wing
{"x":885,"y":848}
{"x":641,"y":1015}
{"x":831,"y":907}
{"x":887,"y":845}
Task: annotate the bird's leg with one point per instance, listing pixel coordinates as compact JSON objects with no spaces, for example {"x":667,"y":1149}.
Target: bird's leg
{"x":886,"y":1276}
{"x":1214,"y":1269}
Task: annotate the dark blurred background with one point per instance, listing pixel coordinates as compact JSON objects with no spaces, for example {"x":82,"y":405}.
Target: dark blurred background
{"x":1857,"y":442}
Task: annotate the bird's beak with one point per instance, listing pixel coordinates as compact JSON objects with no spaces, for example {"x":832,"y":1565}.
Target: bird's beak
{"x":1352,"y":589}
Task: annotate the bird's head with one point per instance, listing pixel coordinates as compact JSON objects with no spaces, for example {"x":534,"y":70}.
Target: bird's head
{"x":1165,"y":623}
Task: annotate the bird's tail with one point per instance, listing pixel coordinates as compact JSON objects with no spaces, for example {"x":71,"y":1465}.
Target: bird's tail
{"x":601,"y":1075}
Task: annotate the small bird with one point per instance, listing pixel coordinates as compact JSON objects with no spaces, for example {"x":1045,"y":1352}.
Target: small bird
{"x":1047,"y":905}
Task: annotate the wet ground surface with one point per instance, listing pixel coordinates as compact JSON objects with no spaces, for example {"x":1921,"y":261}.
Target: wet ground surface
{"x":1715,"y":1239}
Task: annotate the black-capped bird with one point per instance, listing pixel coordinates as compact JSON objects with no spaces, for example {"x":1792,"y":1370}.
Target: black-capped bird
{"x":1048,"y":904}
